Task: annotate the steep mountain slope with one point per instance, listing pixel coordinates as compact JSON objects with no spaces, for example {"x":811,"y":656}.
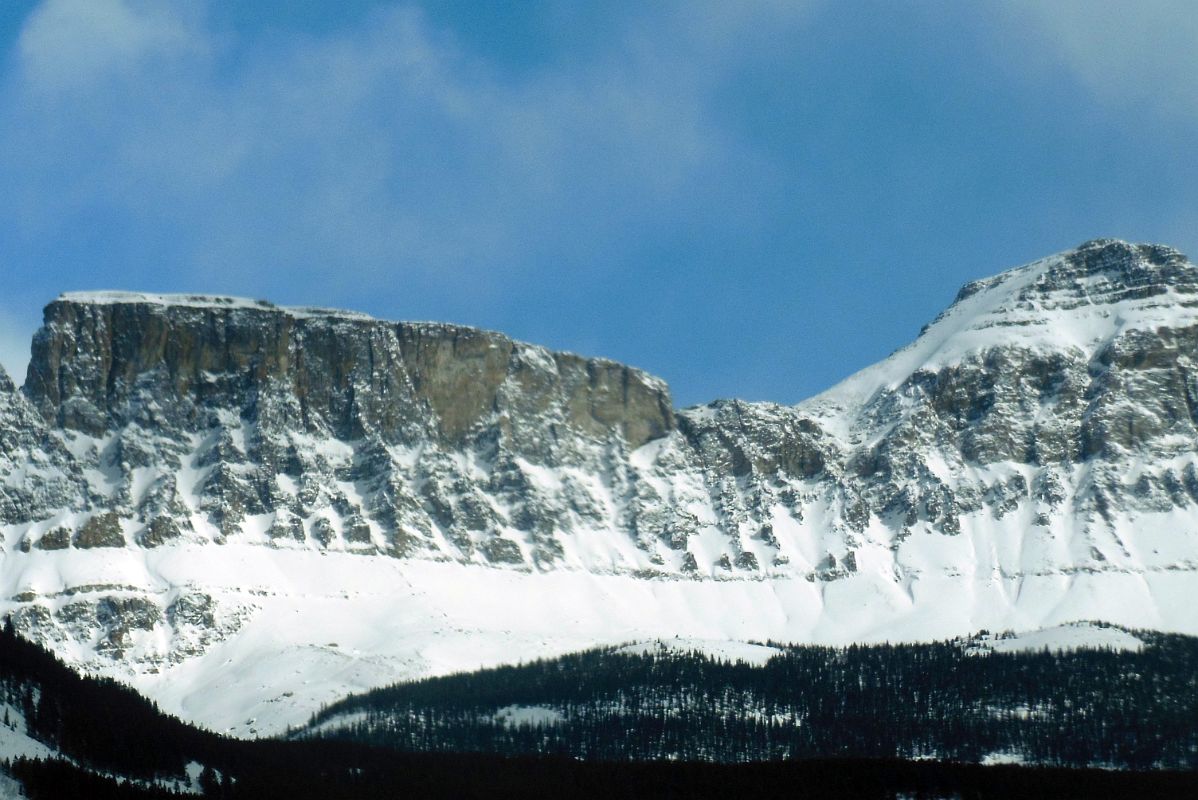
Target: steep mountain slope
{"x":248,"y":510}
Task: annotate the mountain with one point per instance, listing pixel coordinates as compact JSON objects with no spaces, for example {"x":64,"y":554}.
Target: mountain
{"x":247,"y":511}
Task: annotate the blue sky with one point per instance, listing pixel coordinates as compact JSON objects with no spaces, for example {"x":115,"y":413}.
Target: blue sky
{"x":750,"y":199}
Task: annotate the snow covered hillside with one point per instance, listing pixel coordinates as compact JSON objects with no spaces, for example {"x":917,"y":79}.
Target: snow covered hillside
{"x":247,"y":510}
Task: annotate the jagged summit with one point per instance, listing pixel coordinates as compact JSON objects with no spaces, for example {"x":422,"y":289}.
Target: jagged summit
{"x":1081,"y":301}
{"x":1082,"y":284}
{"x":1099,"y":271}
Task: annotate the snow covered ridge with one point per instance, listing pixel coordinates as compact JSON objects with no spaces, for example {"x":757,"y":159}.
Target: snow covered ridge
{"x":1081,"y":300}
{"x":196,"y":493}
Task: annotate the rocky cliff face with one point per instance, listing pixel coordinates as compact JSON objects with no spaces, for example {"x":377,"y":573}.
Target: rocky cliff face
{"x":215,"y":418}
{"x":1043,"y":427}
{"x":106,"y":361}
{"x":37,"y":475}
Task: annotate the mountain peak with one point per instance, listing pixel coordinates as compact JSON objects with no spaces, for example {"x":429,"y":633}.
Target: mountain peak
{"x":1078,"y":301}
{"x":1109,"y":256}
{"x":1100,"y":270}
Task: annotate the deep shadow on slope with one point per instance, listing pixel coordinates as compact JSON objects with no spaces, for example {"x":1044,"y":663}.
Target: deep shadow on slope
{"x":290,"y":773}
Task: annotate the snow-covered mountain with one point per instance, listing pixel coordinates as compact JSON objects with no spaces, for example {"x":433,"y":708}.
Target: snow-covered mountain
{"x":247,"y":510}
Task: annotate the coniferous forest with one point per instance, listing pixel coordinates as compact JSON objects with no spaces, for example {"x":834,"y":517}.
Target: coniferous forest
{"x":109,"y":742}
{"x":1133,"y":710}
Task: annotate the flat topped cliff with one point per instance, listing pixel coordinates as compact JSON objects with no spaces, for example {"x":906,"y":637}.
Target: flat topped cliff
{"x":101,"y":358}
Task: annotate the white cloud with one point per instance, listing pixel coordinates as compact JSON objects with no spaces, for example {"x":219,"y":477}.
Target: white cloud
{"x":69,"y":44}
{"x":387,"y":149}
{"x":1141,"y":54}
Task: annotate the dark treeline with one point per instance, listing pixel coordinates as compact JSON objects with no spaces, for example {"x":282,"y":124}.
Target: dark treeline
{"x":460,"y":777}
{"x":117,"y":745}
{"x":78,"y":714}
{"x":1131,"y":710}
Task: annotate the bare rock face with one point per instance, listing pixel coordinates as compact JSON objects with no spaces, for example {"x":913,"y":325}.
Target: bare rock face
{"x":107,"y":361}
{"x":102,"y":530}
{"x":37,"y":474}
{"x":329,"y":429}
{"x":54,"y":539}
